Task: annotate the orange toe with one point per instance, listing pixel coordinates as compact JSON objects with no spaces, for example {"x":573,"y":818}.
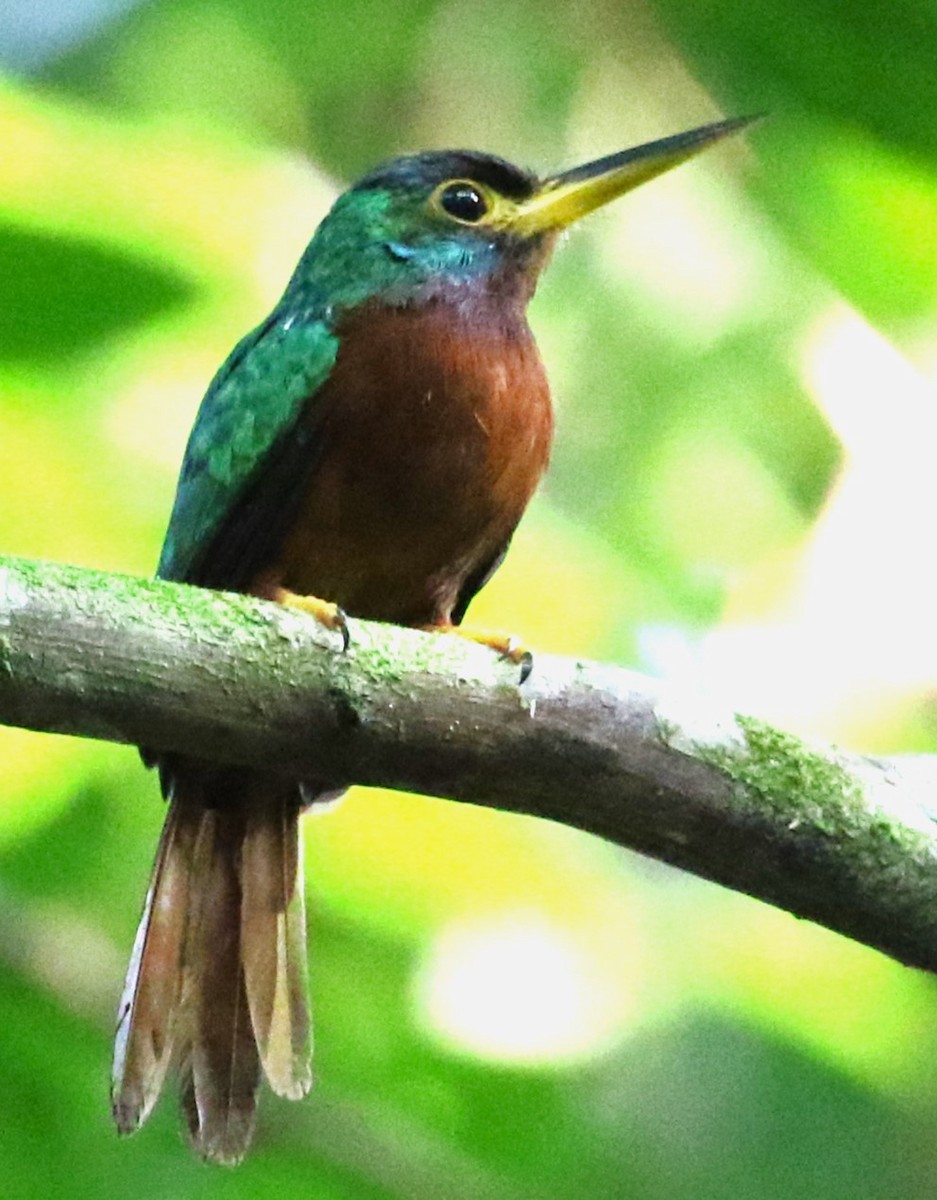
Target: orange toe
{"x":329,"y":615}
{"x":505,"y":644}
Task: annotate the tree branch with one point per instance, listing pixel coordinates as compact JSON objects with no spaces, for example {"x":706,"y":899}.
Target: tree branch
{"x":847,"y":841}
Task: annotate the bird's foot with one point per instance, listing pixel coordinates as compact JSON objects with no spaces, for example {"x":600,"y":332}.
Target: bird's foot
{"x":330,"y":616}
{"x":505,"y":644}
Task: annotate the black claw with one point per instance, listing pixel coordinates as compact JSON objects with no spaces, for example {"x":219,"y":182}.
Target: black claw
{"x":527,"y":665}
{"x":341,"y":624}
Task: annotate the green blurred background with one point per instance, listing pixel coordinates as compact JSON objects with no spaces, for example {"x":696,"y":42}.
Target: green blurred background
{"x":744,"y":361}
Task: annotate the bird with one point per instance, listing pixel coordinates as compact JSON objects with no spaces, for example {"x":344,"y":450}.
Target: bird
{"x":368,"y":450}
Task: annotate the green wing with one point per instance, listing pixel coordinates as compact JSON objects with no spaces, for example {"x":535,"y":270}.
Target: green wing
{"x":243,"y":433}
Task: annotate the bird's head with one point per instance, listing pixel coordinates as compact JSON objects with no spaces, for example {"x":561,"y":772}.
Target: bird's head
{"x":442,"y":221}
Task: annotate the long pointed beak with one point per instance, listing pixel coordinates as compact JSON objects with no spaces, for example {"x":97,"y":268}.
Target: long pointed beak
{"x":565,"y":198}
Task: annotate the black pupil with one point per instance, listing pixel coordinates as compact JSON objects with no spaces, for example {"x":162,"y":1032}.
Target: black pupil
{"x":464,"y":202}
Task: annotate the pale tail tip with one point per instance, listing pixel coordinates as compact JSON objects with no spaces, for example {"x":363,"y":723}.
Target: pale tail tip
{"x":220,"y":1156}
{"x":224,"y":1148}
{"x":298,"y":1089}
{"x":127,"y":1117}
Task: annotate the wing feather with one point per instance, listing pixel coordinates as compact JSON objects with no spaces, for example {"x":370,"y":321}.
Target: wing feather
{"x":252,"y":424}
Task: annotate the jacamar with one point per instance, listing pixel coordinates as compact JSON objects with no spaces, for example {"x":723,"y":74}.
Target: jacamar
{"x":374,"y":442}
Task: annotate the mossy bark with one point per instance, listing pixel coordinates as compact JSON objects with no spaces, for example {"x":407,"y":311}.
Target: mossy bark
{"x":847,"y":841}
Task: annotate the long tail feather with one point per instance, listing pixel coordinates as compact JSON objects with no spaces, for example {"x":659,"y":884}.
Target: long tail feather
{"x":146,"y":1023}
{"x":273,"y":936}
{"x":218,"y":982}
{"x":224,"y":1064}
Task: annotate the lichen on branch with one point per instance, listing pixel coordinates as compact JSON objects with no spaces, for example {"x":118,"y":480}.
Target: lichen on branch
{"x":847,"y":841}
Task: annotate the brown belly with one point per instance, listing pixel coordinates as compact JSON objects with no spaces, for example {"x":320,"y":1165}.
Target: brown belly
{"x":431,"y":438}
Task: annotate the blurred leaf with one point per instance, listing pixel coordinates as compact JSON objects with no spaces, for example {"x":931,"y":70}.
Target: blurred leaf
{"x":864,"y":220}
{"x":63,"y":298}
{"x":840,"y":62}
{"x":40,"y":777}
{"x":633,"y":425}
{"x":735,"y":1113}
{"x":288,"y":50}
{"x":849,"y":149}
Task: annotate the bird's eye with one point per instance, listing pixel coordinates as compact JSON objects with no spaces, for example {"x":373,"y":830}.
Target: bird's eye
{"x":464,"y":201}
